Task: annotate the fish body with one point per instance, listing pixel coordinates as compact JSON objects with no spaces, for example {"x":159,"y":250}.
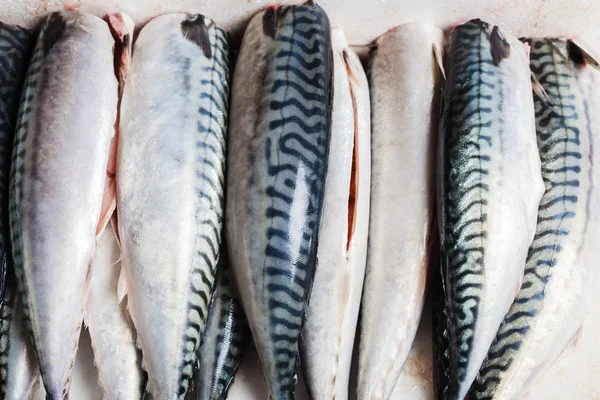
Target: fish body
{"x":19,"y":373}
{"x":405,"y":81}
{"x":16,"y":45}
{"x":65,"y":124}
{"x":332,"y":314}
{"x":561,"y":269}
{"x":170,"y":181}
{"x":279,"y":139}
{"x":490,"y":188}
{"x":226,"y":337}
{"x":118,"y":360}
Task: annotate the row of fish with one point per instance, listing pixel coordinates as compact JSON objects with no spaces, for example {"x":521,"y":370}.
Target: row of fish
{"x":177,"y":208}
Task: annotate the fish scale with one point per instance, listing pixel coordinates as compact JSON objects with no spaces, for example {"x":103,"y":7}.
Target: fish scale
{"x":564,"y":142}
{"x":490,"y":188}
{"x":176,"y":147}
{"x":226,"y":337}
{"x":64,"y":120}
{"x":277,"y":164}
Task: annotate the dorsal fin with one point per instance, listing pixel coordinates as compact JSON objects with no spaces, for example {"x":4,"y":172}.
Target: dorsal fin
{"x":270,"y":21}
{"x":195,"y":30}
{"x":580,"y":56}
{"x":499,"y":46}
{"x":54,"y":31}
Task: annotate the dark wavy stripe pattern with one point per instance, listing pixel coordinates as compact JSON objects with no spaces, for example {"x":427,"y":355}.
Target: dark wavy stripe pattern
{"x":558,"y":136}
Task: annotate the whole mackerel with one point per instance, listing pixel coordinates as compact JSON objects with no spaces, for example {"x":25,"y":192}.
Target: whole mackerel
{"x":331,"y":317}
{"x":66,"y":121}
{"x":170,"y":181}
{"x":405,"y":79}
{"x":279,"y":140}
{"x":560,"y":271}
{"x":226,"y":338}
{"x":490,"y":188}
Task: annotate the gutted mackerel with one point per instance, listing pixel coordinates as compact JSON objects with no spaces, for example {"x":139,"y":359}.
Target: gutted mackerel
{"x":118,"y":360}
{"x":281,"y":118}
{"x":556,"y":289}
{"x":490,"y":189}
{"x":405,"y":84}
{"x":66,"y":121}
{"x":170,"y":180}
{"x":226,"y":338}
{"x":328,"y":335}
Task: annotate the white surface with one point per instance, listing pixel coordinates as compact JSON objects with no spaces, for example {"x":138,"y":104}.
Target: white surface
{"x":363,"y":21}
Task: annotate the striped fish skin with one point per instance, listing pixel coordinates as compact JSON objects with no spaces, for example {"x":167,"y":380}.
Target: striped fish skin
{"x":16,"y":45}
{"x":402,"y":201}
{"x":170,"y":186}
{"x":551,"y":305}
{"x":332,"y":314}
{"x":19,"y":373}
{"x":281,"y":117}
{"x":490,"y":189}
{"x":226,"y":338}
{"x":65,"y":124}
{"x":118,"y":360}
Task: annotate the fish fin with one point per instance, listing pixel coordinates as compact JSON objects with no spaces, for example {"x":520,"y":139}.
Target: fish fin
{"x":539,"y":90}
{"x":579,"y":56}
{"x":122,"y":285}
{"x":270,"y":21}
{"x":114,"y":222}
{"x":53,"y":31}
{"x":499,"y":46}
{"x":195,"y":30}
{"x":438,"y":55}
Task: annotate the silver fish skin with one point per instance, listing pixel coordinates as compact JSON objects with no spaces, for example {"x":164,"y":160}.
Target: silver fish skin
{"x":490,"y":186}
{"x":328,"y":334}
{"x":405,"y":80}
{"x":279,"y":139}
{"x":19,"y":372}
{"x":226,"y":338}
{"x":113,"y":336}
{"x":560,"y":271}
{"x":170,"y":185}
{"x":65,"y":124}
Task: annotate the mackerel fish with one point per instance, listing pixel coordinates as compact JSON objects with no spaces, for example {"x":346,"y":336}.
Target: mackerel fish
{"x":405,"y":79}
{"x":170,"y":190}
{"x":65,"y":125}
{"x":328,"y":335}
{"x":490,"y":186}
{"x":226,"y":338}
{"x":279,"y":140}
{"x":561,"y":265}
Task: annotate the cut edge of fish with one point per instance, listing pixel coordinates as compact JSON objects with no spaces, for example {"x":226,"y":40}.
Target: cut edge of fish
{"x":121,"y":27}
